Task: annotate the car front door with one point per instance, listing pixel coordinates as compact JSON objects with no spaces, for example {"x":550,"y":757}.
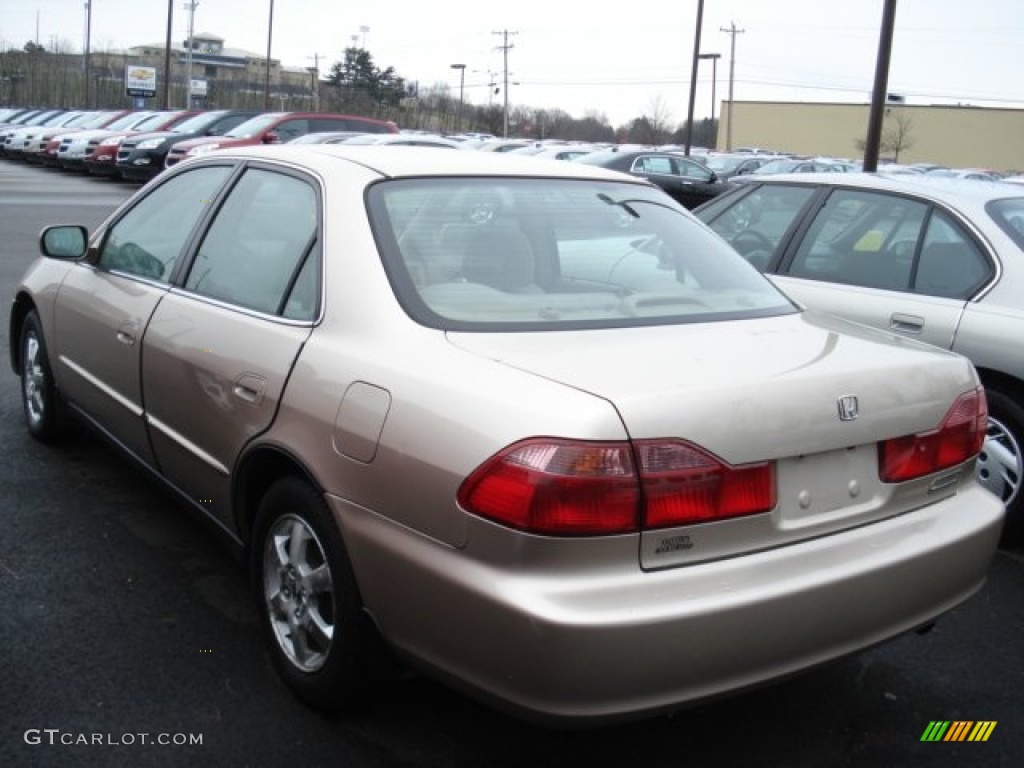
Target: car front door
{"x":888,"y":261}
{"x":697,"y":182}
{"x":220,"y":347}
{"x":105,"y":304}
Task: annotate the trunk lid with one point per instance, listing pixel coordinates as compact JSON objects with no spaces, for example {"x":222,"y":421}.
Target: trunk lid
{"x":812,"y":393}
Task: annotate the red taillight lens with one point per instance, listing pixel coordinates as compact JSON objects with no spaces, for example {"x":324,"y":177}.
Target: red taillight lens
{"x":684,"y":485}
{"x":557,"y":487}
{"x":563,"y":487}
{"x":958,"y":438}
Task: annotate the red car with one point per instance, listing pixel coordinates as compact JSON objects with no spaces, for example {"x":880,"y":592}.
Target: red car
{"x":275,"y":128}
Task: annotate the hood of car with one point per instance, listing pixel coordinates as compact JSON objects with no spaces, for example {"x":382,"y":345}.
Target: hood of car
{"x":784,"y":381}
{"x":223,"y":141}
{"x":158,"y":135}
{"x":96,"y":133}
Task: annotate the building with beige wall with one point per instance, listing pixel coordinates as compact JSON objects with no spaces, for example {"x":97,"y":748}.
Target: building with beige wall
{"x":956,"y":136}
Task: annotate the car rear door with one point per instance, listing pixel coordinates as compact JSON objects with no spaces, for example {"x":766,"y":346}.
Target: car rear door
{"x":220,"y":347}
{"x":888,"y":261}
{"x":105,"y":304}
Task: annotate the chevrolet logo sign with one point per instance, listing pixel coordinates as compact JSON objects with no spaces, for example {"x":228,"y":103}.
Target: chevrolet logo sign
{"x":848,"y":408}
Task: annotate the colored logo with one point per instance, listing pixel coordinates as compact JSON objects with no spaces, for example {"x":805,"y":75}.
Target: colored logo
{"x":958,"y":730}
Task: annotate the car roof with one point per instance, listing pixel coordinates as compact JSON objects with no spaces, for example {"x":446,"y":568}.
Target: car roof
{"x":945,"y":189}
{"x":403,"y":161}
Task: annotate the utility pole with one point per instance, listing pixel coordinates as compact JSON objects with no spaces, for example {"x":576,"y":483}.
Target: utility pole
{"x":504,"y":49}
{"x":878,"y":96}
{"x":315,"y":85}
{"x":732,"y":32}
{"x":462,"y":82}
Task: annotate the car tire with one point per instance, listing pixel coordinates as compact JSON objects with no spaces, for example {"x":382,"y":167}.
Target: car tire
{"x":40,"y":401}
{"x":321,"y":641}
{"x":1001,"y":462}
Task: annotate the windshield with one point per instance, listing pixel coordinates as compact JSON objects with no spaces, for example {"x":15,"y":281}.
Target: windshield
{"x":546,"y":254}
{"x":97,"y":120}
{"x":198,"y":123}
{"x":155,"y":121}
{"x":777,"y":166}
{"x":724,"y":162}
{"x":127,"y":121}
{"x":256,"y":125}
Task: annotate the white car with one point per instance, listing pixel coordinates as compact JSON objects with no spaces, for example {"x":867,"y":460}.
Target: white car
{"x":938,"y":260}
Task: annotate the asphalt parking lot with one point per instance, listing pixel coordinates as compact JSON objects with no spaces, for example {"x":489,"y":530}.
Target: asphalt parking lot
{"x":126,"y":625}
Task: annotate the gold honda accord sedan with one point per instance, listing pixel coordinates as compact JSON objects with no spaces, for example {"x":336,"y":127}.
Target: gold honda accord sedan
{"x":528,"y":424}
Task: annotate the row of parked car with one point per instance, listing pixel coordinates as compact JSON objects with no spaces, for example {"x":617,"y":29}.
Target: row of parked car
{"x":136,"y":145}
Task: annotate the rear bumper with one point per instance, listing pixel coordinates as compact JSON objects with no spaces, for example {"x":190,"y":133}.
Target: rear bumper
{"x":589,"y":645}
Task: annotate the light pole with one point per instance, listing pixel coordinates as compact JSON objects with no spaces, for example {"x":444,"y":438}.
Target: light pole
{"x":88,"y":34}
{"x":462,"y":83}
{"x":270,"y":37}
{"x":714,"y":77}
{"x":167,"y":56}
{"x":191,"y":8}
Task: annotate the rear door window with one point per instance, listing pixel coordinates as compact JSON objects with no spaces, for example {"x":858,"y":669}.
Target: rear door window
{"x":879,"y":240}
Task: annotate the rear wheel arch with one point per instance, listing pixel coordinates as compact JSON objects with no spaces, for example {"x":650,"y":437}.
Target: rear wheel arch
{"x":260,"y":468}
{"x":1001,"y":464}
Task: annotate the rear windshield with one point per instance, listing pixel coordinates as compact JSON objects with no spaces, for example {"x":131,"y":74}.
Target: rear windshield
{"x":555,"y":254}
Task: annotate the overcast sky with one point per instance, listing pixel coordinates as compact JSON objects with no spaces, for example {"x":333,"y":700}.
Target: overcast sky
{"x":620,"y":60}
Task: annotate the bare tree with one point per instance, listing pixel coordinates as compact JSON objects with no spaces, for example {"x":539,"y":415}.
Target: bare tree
{"x":658,"y":117}
{"x":895,"y":136}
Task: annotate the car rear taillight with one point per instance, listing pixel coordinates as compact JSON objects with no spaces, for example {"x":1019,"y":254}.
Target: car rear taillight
{"x":562,"y":487}
{"x":575,"y":488}
{"x":683,"y":485}
{"x":958,"y":438}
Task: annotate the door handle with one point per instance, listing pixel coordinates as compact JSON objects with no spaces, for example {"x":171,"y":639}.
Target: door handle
{"x":906,"y":323}
{"x":249,"y":387}
{"x":126,"y":333}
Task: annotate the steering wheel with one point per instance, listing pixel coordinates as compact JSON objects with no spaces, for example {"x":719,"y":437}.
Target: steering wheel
{"x":750,"y":240}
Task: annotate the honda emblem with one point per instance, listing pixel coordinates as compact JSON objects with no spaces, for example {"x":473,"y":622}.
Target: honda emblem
{"x":848,"y":408}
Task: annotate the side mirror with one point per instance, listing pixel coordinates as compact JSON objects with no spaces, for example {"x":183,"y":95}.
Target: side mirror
{"x":271,"y":138}
{"x":65,"y":241}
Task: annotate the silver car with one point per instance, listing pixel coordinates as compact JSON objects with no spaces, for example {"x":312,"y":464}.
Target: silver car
{"x":527,"y":423}
{"x":935,"y":259}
